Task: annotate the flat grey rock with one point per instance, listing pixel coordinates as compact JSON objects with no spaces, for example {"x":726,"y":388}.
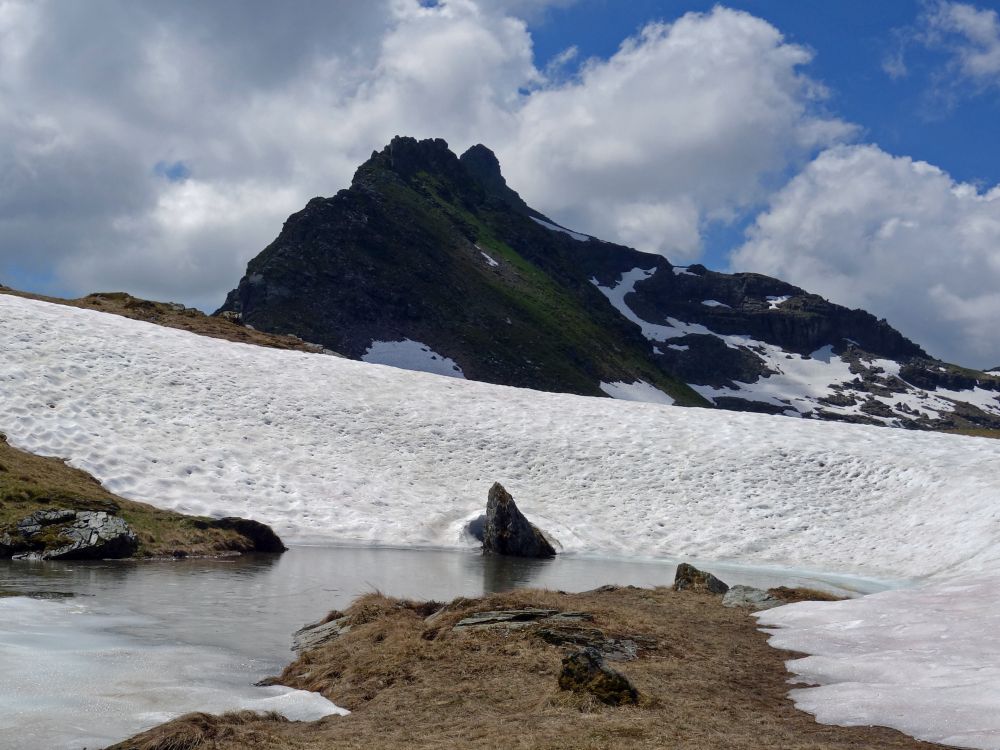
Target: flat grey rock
{"x":313,"y":636}
{"x":751,"y":598}
{"x":506,"y":618}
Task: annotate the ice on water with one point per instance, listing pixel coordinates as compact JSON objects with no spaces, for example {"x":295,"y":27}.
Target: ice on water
{"x":73,"y":677}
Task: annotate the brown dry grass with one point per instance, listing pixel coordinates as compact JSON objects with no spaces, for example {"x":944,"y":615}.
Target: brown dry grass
{"x":244,"y":729}
{"x":976,"y":432}
{"x":710,"y":683}
{"x":173,"y":316}
{"x":29,"y":483}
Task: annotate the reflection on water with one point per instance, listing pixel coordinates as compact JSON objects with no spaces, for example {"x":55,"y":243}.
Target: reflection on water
{"x":252,"y":604}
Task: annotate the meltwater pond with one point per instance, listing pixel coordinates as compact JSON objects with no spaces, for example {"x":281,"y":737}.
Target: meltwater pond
{"x":139,"y":643}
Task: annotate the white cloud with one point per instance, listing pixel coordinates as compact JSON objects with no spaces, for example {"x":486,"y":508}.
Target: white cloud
{"x":687,"y":122}
{"x":896,"y":236}
{"x":971,"y":34}
{"x":967,"y":36}
{"x":267,"y":107}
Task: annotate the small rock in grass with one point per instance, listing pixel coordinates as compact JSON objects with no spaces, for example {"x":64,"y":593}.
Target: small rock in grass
{"x":751,"y":598}
{"x":585,"y":671}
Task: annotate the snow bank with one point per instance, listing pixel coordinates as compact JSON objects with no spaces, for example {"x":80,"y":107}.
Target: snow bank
{"x":327,"y":449}
{"x":925,"y":661}
{"x":564,"y":230}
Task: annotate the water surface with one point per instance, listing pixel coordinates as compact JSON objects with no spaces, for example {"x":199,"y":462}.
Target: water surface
{"x":138,"y":643}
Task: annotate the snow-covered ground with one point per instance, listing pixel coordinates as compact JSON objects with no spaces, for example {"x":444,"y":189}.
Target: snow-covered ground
{"x":923,"y":660}
{"x":564,"y":230}
{"x":331,"y":449}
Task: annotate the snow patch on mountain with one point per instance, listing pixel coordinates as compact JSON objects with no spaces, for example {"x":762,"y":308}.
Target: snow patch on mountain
{"x":714,"y":303}
{"x":564,"y":230}
{"x":411,"y":355}
{"x":801,"y":385}
{"x":640,"y":390}
{"x":626,"y":285}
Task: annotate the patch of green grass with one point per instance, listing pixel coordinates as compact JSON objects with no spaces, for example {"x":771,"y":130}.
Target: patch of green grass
{"x":29,"y":483}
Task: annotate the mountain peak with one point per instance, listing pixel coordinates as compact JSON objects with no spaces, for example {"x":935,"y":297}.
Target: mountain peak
{"x":406,"y":156}
{"x":483,"y":164}
{"x":484,"y":167}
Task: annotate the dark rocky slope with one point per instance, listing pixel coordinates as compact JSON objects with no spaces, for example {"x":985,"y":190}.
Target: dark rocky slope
{"x":426,"y":247}
{"x":437,"y":249}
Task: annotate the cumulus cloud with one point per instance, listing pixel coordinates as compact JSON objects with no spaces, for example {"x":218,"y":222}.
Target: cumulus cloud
{"x":688,"y":122}
{"x":157,"y":147}
{"x":895,"y":236}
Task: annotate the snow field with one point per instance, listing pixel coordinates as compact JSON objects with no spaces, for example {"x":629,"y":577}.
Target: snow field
{"x":640,"y":390}
{"x":327,"y":449}
{"x":796,"y":382}
{"x":411,"y":355}
{"x":555,"y":228}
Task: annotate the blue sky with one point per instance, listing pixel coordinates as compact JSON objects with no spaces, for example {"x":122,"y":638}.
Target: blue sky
{"x":851,"y":41}
{"x":157,"y":147}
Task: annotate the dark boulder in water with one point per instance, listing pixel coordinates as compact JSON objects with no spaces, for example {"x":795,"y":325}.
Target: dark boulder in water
{"x":507,"y":532}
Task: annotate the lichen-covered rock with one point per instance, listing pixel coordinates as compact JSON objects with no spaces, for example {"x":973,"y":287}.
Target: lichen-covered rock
{"x":58,"y":534}
{"x":750,"y":598}
{"x":689,"y":578}
{"x":507,"y":532}
{"x":585,"y":671}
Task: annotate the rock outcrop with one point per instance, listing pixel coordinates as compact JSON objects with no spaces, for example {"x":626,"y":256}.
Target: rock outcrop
{"x":507,"y":532}
{"x":689,"y":578}
{"x":750,"y":598}
{"x":585,"y":671}
{"x":261,"y":535}
{"x":315,"y":635}
{"x":56,"y":534}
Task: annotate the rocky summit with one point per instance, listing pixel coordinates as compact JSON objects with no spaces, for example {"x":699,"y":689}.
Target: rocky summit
{"x":430,"y":261}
